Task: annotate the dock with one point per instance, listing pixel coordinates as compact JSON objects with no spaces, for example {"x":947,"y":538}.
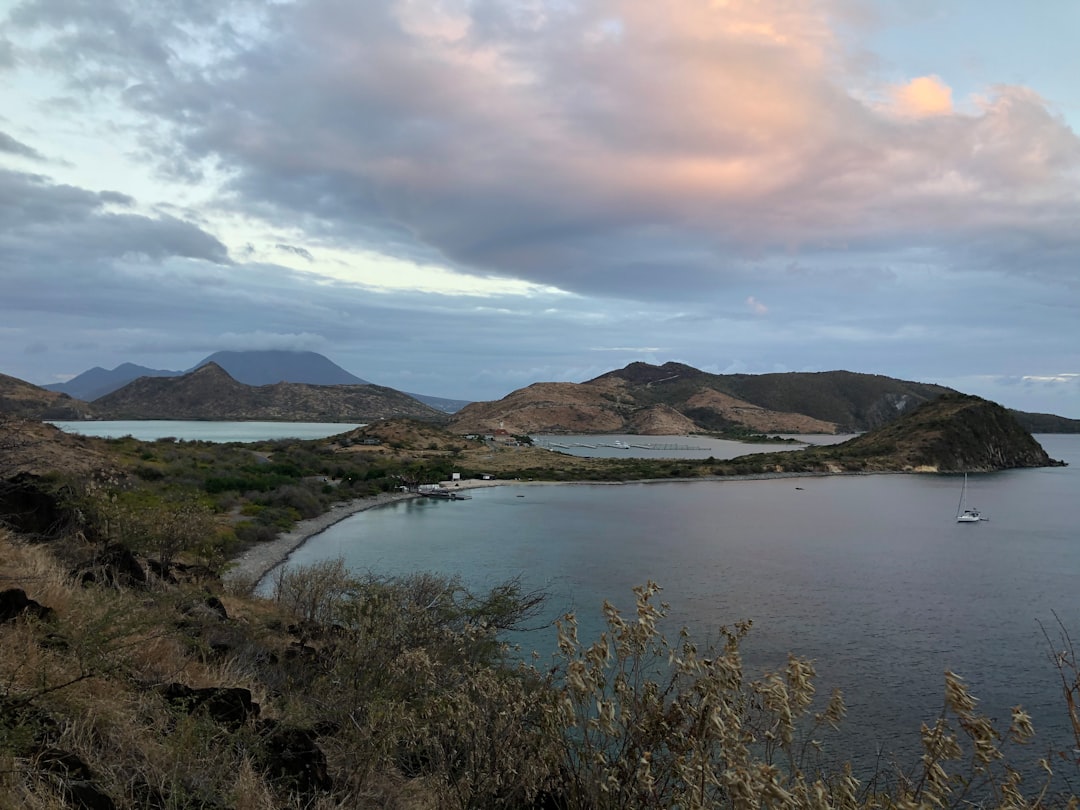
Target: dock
{"x":443,"y":493}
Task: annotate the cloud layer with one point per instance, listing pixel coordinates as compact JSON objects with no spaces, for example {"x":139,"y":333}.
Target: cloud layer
{"x":730,"y":173}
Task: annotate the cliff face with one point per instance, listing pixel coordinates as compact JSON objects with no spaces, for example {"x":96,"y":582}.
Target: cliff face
{"x":210,"y":393}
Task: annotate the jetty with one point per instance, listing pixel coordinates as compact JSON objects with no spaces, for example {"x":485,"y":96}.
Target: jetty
{"x":444,"y":493}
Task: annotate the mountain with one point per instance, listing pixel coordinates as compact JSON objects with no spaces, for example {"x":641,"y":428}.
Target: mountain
{"x":952,"y":433}
{"x":269,"y":367}
{"x":250,"y":368}
{"x":676,"y":398}
{"x":441,"y":403}
{"x":22,"y":399}
{"x":1046,"y":422}
{"x":209,"y":392}
{"x":853,"y":402}
{"x":97,"y":382}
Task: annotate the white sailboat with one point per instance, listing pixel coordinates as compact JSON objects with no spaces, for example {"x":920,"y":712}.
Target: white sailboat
{"x":966,"y":514}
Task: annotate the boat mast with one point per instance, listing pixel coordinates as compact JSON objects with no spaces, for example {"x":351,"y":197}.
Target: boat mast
{"x":963,"y":489}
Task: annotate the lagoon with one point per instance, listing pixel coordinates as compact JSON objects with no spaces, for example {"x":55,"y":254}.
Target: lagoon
{"x":149,"y":430}
{"x":869,"y":575}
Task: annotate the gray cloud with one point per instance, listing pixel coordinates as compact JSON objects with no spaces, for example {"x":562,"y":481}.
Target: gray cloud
{"x":42,"y":223}
{"x":18,"y":148}
{"x":303,"y":253}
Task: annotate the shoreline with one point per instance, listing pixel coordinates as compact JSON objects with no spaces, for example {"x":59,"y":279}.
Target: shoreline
{"x":258,"y":561}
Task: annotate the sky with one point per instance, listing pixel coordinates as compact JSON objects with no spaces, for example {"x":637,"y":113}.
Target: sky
{"x":459,"y":198}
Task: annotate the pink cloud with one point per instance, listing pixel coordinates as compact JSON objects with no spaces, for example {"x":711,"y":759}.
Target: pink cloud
{"x":924,"y":96}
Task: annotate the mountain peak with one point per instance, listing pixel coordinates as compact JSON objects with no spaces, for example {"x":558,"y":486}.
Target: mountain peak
{"x":266,"y":367}
{"x":209,"y":371}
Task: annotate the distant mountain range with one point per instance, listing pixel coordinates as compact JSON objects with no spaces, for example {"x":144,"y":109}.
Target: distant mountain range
{"x":676,"y":399}
{"x":670,"y":399}
{"x":250,"y":368}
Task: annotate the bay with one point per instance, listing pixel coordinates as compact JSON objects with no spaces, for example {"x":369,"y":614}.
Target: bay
{"x":868,"y":575}
{"x":149,"y":430}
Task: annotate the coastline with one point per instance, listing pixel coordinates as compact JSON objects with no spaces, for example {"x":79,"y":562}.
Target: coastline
{"x":259,"y":560}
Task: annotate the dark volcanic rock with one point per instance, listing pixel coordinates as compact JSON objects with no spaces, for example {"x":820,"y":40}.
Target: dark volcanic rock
{"x":293,"y":755}
{"x":231,"y":706}
{"x":14,"y":603}
{"x":114,"y":565}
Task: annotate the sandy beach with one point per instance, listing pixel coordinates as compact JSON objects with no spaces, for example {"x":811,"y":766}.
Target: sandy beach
{"x":259,"y":560}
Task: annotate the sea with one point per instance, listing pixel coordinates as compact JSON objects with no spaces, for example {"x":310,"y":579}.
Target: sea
{"x":870,"y":576}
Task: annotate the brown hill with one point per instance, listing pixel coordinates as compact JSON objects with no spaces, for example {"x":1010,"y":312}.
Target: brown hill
{"x":210,"y":393}
{"x":852,"y":402}
{"x":20,"y":398}
{"x":678,"y":399}
{"x":28,"y":446}
{"x":954,"y":433}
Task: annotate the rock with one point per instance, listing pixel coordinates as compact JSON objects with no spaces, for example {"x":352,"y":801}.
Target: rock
{"x":79,"y":787}
{"x":14,"y":603}
{"x":115,"y":565}
{"x":293,"y":754}
{"x":231,"y":706}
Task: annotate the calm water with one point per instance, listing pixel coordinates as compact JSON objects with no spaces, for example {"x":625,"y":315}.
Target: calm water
{"x":869,"y":575}
{"x":149,"y":430}
{"x":621,"y":445}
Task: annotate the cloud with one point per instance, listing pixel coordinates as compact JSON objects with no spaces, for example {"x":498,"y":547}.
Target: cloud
{"x":567,"y":145}
{"x":303,"y":253}
{"x":261,"y":341}
{"x":756,"y":306}
{"x":45,"y":225}
{"x":627,"y":349}
{"x":1056,"y":379}
{"x":18,"y":148}
{"x":922,"y":97}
